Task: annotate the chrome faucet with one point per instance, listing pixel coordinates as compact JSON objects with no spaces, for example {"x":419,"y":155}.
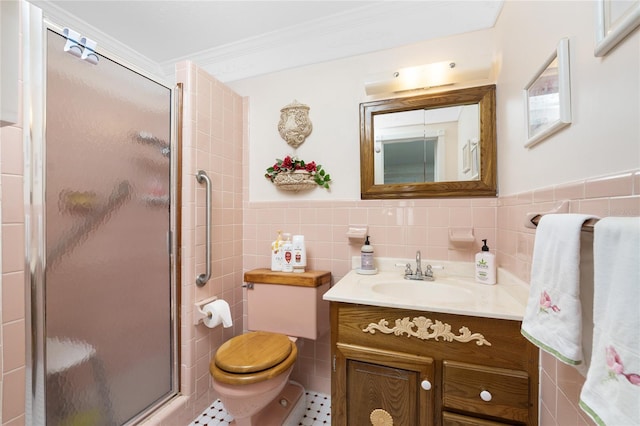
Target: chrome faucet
{"x":418,"y":275}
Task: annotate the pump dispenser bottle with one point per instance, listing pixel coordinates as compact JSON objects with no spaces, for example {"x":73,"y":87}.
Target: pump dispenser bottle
{"x":367,"y":265}
{"x":485,"y":265}
{"x":276,"y":253}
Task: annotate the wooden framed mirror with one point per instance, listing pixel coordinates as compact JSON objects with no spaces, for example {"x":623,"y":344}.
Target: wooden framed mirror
{"x":431,"y":145}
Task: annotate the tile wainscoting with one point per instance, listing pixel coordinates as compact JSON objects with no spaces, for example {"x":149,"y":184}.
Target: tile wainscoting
{"x":612,"y":195}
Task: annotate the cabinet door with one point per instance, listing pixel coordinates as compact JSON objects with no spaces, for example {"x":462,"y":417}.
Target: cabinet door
{"x":385,"y":384}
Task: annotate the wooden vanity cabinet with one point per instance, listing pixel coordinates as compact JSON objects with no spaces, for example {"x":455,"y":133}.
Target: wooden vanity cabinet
{"x":430,"y":369}
{"x":389,"y":379}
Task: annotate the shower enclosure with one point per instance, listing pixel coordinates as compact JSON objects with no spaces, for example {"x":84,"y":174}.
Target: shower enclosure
{"x":103,"y":342}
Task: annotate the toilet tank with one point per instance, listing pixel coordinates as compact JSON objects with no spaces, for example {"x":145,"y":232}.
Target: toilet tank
{"x":288,"y":302}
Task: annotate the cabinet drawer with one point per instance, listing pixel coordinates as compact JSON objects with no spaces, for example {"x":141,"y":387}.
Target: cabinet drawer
{"x":489,"y":391}
{"x":451,"y":419}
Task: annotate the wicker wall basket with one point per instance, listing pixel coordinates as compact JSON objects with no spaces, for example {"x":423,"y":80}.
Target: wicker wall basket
{"x":295,"y":181}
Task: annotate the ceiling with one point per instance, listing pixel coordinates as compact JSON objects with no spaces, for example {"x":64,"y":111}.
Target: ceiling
{"x":239,"y":39}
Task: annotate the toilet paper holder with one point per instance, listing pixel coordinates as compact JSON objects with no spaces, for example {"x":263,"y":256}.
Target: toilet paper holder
{"x":198,"y":314}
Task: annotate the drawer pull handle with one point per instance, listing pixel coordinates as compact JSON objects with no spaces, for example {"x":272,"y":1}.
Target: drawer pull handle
{"x":426,"y":385}
{"x":485,"y":396}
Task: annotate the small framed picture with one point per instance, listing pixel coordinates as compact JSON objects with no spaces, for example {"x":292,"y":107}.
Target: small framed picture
{"x":548,"y":96}
{"x":466,"y":156}
{"x":615,"y":20}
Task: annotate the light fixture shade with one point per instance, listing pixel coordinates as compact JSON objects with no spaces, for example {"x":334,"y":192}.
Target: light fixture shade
{"x":437,"y":74}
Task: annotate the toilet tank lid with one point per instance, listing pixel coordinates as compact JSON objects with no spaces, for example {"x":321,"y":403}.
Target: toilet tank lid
{"x":303,"y":279}
{"x":252,"y":352}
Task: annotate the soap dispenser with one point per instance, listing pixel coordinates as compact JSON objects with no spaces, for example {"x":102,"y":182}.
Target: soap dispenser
{"x":485,"y":265}
{"x":366,"y":259}
{"x":276,"y":253}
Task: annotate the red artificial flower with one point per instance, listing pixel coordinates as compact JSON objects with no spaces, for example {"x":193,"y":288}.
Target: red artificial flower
{"x":287,"y":162}
{"x":290,"y":164}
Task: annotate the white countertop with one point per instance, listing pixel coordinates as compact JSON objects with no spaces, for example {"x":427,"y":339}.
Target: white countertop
{"x":454,"y":290}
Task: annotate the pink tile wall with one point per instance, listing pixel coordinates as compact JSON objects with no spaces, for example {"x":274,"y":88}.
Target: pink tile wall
{"x":13,"y":282}
{"x":397,"y":229}
{"x":12,"y":309}
{"x":615,"y":195}
{"x":212,"y":140}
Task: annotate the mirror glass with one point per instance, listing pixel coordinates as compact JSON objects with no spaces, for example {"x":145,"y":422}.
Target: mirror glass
{"x":427,"y":145}
{"x":433,"y":145}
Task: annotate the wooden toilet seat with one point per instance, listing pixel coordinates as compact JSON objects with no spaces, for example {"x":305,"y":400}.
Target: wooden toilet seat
{"x":253,"y":357}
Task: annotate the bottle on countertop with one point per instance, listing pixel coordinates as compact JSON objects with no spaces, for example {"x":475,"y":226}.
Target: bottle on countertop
{"x":276,"y":253}
{"x":299,"y":253}
{"x":485,"y":265}
{"x":287,"y":253}
{"x":366,"y":256}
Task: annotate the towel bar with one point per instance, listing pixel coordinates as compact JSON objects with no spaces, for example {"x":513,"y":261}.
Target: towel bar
{"x":587,"y":226}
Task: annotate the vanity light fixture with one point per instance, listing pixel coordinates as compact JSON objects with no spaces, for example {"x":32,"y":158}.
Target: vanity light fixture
{"x":473,"y":70}
{"x":413,"y":78}
{"x":425,"y":76}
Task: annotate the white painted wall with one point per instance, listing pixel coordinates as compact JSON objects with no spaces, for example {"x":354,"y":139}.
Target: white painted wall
{"x":604,"y":137}
{"x":333,"y":91}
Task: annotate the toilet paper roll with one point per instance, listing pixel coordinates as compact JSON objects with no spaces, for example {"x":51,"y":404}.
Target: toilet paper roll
{"x":217,"y":312}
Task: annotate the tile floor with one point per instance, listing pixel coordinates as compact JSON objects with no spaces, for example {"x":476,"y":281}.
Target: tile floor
{"x":317,"y":413}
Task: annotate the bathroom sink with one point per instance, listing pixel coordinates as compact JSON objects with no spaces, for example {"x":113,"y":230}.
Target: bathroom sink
{"x":424,"y":291}
{"x":454,"y":291}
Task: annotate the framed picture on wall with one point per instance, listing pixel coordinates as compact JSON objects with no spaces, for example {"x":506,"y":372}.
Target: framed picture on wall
{"x":548,"y":96}
{"x":615,"y":20}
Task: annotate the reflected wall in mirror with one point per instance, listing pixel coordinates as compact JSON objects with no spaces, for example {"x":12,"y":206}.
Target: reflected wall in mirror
{"x":425,"y":145}
{"x":432,"y":145}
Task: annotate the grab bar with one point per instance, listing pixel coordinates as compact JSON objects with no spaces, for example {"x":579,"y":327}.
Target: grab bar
{"x":203,"y":278}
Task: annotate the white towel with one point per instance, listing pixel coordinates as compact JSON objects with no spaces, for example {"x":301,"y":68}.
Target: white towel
{"x":553,"y":317}
{"x":611,"y":393}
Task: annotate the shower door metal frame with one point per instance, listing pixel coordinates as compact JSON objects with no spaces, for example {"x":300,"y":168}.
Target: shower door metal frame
{"x":35,"y":27}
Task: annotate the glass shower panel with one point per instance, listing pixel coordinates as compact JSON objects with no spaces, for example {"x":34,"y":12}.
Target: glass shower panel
{"x":108,"y":274}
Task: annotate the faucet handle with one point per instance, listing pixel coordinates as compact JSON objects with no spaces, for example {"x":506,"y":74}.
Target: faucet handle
{"x":429,"y":271}
{"x":407,"y":268}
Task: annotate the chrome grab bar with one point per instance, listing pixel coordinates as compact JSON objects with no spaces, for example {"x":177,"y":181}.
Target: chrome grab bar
{"x":202,"y":279}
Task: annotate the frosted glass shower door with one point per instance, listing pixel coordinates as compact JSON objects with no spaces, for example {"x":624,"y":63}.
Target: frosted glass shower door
{"x":108,"y":323}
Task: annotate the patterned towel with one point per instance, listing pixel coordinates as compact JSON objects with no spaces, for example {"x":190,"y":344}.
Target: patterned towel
{"x":553,"y":317}
{"x":611,"y":393}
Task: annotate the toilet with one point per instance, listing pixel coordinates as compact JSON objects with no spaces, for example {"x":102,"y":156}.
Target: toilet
{"x":251,"y":372}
